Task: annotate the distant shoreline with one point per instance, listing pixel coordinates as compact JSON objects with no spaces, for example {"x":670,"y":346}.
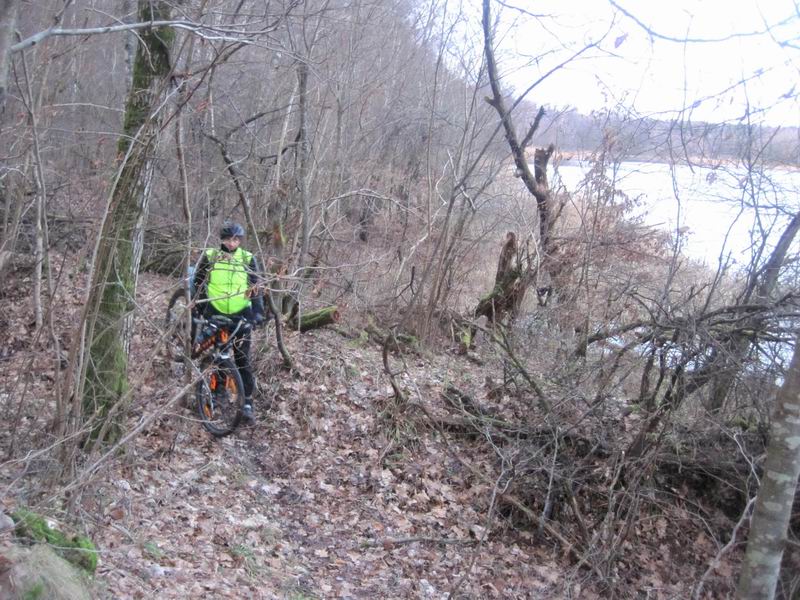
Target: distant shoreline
{"x":575,"y":157}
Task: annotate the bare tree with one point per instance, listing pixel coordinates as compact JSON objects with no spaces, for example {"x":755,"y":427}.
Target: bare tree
{"x":116,"y":265}
{"x":728,"y":357}
{"x":535,"y":181}
{"x":8,"y":22}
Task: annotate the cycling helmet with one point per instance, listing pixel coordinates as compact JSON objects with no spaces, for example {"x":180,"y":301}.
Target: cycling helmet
{"x":230,"y":229}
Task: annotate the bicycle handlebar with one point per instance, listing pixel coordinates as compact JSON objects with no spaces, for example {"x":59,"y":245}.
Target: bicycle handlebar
{"x":219,"y":321}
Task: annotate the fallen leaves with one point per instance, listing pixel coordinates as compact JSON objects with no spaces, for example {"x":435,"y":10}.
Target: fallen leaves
{"x":307,"y":503}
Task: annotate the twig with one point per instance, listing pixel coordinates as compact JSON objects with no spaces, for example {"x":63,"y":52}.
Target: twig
{"x":203,"y":31}
{"x":503,"y":342}
{"x":389,"y":542}
{"x":400,"y":397}
{"x":144,"y":421}
{"x":577,"y":512}
{"x":548,"y":502}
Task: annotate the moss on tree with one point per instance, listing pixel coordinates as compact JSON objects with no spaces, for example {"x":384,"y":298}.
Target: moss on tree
{"x":152,"y":62}
{"x":114,"y":281}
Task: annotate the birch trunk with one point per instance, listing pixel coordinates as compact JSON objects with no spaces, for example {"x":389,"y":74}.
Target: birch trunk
{"x":773,"y":510}
{"x":8,"y":22}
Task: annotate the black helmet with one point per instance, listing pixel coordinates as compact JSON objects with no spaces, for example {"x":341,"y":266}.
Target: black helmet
{"x":230,"y":229}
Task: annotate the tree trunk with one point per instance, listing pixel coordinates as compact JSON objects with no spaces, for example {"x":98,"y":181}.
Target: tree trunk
{"x":541,"y":191}
{"x":507,"y":256}
{"x":773,"y":510}
{"x":113,"y":287}
{"x":502,"y":299}
{"x":762,"y":284}
{"x":38,"y":312}
{"x":536,"y":183}
{"x":315,"y":319}
{"x":130,"y":42}
{"x":302,"y":171}
{"x":41,"y":199}
{"x":8,"y":23}
{"x":510,"y":284}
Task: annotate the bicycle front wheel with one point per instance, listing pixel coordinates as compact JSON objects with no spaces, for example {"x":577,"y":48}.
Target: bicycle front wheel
{"x":220,"y":396}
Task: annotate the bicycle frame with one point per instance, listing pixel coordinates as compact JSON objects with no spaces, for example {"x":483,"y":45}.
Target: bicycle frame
{"x":220,"y":406}
{"x":221,"y":337}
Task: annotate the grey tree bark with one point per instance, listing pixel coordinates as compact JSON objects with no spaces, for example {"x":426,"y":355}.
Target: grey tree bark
{"x":536,"y":183}
{"x":302,"y":77}
{"x":8,"y":22}
{"x":773,"y":510}
{"x":116,"y":264}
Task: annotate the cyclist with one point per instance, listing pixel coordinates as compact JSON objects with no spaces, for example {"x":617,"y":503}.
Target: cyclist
{"x":223,"y":279}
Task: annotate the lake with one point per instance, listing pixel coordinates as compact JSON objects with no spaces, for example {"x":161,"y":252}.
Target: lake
{"x":715,"y":205}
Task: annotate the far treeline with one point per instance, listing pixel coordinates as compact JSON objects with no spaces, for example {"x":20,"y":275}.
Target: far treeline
{"x":642,"y":138}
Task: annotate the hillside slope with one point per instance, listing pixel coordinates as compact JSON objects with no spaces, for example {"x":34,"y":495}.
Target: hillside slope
{"x":339,"y":492}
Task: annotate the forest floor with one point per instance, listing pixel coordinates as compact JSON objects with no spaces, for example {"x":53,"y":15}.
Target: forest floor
{"x":334,"y":492}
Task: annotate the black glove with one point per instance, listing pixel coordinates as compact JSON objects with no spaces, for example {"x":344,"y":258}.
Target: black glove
{"x":258,"y":320}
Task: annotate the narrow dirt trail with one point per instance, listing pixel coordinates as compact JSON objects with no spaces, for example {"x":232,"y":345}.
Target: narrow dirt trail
{"x":331,"y":494}
{"x":316,"y":500}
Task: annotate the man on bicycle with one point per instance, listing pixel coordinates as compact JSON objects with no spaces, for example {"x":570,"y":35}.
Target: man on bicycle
{"x":224,"y":279}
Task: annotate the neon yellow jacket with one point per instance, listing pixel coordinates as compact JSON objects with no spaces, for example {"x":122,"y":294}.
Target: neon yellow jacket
{"x":228,"y":280}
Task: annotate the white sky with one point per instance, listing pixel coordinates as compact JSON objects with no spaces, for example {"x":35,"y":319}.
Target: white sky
{"x":654,"y":75}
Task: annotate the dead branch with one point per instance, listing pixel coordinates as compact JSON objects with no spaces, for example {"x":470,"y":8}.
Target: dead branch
{"x":236,"y":178}
{"x":567,"y":546}
{"x":534,"y":127}
{"x":536,"y":184}
{"x":400,"y":397}
{"x":388,"y":543}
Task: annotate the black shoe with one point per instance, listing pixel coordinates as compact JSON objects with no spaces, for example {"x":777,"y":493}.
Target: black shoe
{"x":247,"y":414}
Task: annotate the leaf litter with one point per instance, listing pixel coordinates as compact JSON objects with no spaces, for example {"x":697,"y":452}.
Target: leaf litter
{"x":319,"y":499}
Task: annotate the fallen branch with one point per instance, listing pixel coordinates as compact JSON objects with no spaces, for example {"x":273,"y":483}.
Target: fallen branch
{"x":400,"y":397}
{"x":568,"y":546}
{"x":393,"y":340}
{"x":474,"y":424}
{"x":500,"y":337}
{"x":387,"y":543}
{"x":463,"y":402}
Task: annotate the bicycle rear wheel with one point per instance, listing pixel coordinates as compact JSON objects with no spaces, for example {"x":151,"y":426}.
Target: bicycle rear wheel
{"x":177,"y":325}
{"x":220,"y":396}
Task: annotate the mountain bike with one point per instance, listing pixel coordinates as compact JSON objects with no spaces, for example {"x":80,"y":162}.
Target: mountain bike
{"x":219,"y":392}
{"x":177,"y":321}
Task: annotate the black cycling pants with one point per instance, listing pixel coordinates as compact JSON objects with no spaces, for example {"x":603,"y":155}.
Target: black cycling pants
{"x":241,"y":354}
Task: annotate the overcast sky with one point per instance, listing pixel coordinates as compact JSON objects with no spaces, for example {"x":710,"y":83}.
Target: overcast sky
{"x":655,"y":75}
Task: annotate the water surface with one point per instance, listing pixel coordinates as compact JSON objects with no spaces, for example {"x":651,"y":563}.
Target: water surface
{"x":713,"y":206}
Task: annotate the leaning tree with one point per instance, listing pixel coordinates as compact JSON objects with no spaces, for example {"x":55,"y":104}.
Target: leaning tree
{"x":109,"y":310}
